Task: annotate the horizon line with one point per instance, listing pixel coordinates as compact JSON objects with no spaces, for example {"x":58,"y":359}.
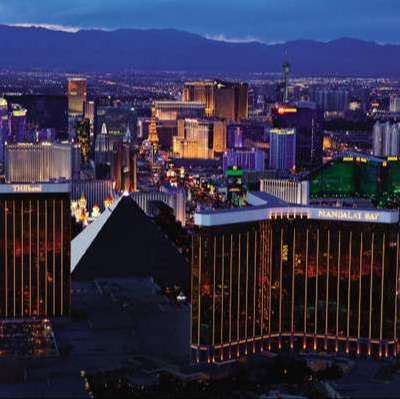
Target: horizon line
{"x":216,"y":37}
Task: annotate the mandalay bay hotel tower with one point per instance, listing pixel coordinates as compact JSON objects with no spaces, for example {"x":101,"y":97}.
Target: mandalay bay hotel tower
{"x":277,"y":276}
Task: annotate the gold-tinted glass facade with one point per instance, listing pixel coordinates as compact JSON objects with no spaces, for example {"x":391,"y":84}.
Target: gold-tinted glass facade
{"x":295,"y":284}
{"x":34,"y":255}
{"x":77,"y":96}
{"x":224,"y":100}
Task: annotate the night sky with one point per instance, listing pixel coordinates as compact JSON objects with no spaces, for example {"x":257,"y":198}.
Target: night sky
{"x":238,"y":20}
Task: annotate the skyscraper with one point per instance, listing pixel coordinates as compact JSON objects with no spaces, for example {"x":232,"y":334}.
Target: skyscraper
{"x":90,"y":115}
{"x":286,"y":71}
{"x":386,"y":139}
{"x":35,"y":257}
{"x":308,"y":122}
{"x":282,"y":152}
{"x":290,"y":191}
{"x":394,"y":104}
{"x":279,"y":277}
{"x":225,"y":100}
{"x":4,"y":126}
{"x":250,"y":159}
{"x":83,"y":138}
{"x":19,"y":129}
{"x":104,"y":145}
{"x":77,"y":95}
{"x":173,"y":110}
{"x":38,"y":163}
{"x":219,"y":134}
{"x":199,"y":138}
{"x":331,"y":100}
{"x":77,"y":99}
{"x":235,"y":133}
{"x":124,"y":167}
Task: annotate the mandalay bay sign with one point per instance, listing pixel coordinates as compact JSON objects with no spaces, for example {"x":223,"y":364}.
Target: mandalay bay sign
{"x":333,"y":214}
{"x":342,"y":214}
{"x":356,"y":215}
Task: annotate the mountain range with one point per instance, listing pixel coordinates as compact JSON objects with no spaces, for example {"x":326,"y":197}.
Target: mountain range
{"x":34,"y":48}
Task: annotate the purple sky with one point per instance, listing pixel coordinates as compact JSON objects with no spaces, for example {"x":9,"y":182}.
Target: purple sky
{"x":264,"y":20}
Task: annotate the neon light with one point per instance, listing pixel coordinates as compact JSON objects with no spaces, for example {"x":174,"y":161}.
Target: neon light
{"x":285,"y":110}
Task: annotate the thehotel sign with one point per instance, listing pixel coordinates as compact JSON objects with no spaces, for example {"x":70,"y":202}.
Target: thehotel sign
{"x":27,"y":188}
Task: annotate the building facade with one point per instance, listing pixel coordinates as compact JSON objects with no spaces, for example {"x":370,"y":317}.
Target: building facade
{"x":295,"y":278}
{"x":19,"y":121}
{"x":394,"y":104}
{"x":35,"y":241}
{"x":174,"y":198}
{"x":386,"y":139}
{"x":77,"y":96}
{"x":225,"y":100}
{"x":307,"y":121}
{"x":42,"y":162}
{"x":96,"y":192}
{"x":4,"y":126}
{"x":199,"y":138}
{"x":290,"y":191}
{"x":282,"y":150}
{"x":174,"y":110}
{"x":251,"y":159}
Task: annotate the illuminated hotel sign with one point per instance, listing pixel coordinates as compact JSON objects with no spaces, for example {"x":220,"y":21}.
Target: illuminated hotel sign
{"x":346,"y":215}
{"x":339,"y":215}
{"x":285,"y":132}
{"x":27,"y":188}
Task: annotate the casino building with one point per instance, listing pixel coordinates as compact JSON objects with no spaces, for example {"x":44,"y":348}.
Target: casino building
{"x":274,"y":276}
{"x":35,"y":258}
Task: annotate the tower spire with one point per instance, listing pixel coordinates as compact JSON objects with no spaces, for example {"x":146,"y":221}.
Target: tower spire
{"x":286,"y":72}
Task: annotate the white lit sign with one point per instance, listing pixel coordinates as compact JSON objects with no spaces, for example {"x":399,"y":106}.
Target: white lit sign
{"x":27,"y":188}
{"x":341,"y":214}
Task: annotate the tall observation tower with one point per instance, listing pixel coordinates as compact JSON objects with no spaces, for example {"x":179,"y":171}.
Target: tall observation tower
{"x":286,"y":72}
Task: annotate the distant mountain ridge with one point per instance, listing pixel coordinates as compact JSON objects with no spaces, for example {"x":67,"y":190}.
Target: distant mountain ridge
{"x":32,"y":48}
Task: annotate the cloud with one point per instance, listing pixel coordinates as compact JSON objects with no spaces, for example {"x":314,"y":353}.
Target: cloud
{"x":223,"y":38}
{"x":60,"y":28}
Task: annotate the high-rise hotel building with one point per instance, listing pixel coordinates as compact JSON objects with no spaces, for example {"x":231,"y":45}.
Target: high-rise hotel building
{"x":225,"y":100}
{"x":199,"y":138}
{"x":282,"y":152}
{"x":308,"y":124}
{"x":35,"y":241}
{"x":39,"y":162}
{"x":274,"y":276}
{"x":77,"y":95}
{"x":174,"y":110}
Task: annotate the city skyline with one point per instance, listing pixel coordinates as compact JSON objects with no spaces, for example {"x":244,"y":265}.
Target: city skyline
{"x":372,"y":20}
{"x":186,"y":212}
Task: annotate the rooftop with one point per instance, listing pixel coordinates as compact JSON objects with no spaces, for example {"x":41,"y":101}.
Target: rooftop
{"x":263,"y":206}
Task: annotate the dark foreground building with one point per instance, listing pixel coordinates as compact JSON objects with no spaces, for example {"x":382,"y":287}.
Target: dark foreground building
{"x":35,"y":237}
{"x":272,"y":276}
{"x":125,"y":243}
